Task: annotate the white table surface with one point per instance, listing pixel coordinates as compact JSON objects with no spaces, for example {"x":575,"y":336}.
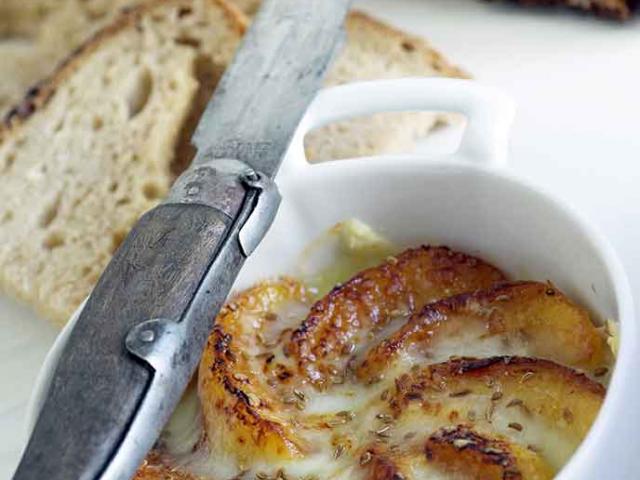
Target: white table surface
{"x":576,"y":82}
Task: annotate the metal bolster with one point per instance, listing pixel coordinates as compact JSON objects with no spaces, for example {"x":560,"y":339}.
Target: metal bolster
{"x":250,"y":199}
{"x":234,"y":188}
{"x":263,"y":211}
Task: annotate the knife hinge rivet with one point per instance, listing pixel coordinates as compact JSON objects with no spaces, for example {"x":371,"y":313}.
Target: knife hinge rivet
{"x":193,"y":190}
{"x":252,"y":176}
{"x":147,"y":336}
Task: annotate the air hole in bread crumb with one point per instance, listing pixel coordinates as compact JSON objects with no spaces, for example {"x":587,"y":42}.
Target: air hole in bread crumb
{"x":123,"y":201}
{"x":53,"y":240}
{"x":50,"y":213}
{"x":184,"y":11}
{"x":140,"y":92}
{"x":408,"y":46}
{"x":113,"y":186}
{"x":188,"y":41}
{"x":116,"y":240}
{"x":11,"y":158}
{"x":97,"y":123}
{"x":151,"y":191}
{"x":7,"y":216}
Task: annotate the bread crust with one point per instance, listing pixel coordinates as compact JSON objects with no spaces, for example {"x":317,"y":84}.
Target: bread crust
{"x":409,"y":42}
{"x":613,"y":9}
{"x":37,"y":97}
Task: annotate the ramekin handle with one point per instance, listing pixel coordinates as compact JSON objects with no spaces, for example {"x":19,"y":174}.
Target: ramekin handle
{"x":489,"y":112}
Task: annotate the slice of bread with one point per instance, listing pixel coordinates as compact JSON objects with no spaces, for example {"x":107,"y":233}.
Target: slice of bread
{"x":99,"y":142}
{"x":375,"y":50}
{"x":37,"y":34}
{"x":250,"y":7}
{"x":89,"y":163}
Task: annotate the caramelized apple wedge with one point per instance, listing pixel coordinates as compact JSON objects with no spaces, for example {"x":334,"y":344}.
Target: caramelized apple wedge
{"x":463,"y":453}
{"x":242,"y":417}
{"x":535,"y":403}
{"x":457,"y":452}
{"x":521,"y":318}
{"x":345,"y":318}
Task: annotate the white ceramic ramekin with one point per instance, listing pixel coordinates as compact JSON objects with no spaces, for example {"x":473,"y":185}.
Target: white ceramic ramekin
{"x":469,"y":201}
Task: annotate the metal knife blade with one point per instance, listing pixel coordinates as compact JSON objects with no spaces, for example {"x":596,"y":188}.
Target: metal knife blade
{"x":142,"y":331}
{"x":285,"y":55}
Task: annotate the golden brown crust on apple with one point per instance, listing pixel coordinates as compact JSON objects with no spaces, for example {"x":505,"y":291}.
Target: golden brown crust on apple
{"x":462,"y":451}
{"x":245,"y":414}
{"x":550,"y":324}
{"x":154,"y":468}
{"x":479,"y":413}
{"x":402,"y":284}
{"x":558,"y":396}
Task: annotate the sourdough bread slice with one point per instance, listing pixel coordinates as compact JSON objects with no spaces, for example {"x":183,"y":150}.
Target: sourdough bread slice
{"x":99,"y":143}
{"x":250,"y":7}
{"x":373,"y":51}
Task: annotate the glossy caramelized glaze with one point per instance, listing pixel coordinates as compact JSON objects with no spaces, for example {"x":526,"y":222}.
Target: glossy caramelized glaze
{"x":430,"y":365}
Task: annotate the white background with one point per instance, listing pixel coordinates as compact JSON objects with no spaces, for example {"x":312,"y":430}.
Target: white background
{"x":576,"y":82}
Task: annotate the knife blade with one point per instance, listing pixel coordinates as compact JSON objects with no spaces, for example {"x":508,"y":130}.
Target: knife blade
{"x":141,"y":333}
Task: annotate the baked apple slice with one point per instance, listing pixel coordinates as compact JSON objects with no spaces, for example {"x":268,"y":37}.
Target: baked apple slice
{"x":537,"y":404}
{"x":518,"y":318}
{"x":378,"y":299}
{"x":462,"y":452}
{"x":244,"y":417}
{"x":457,"y":452}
